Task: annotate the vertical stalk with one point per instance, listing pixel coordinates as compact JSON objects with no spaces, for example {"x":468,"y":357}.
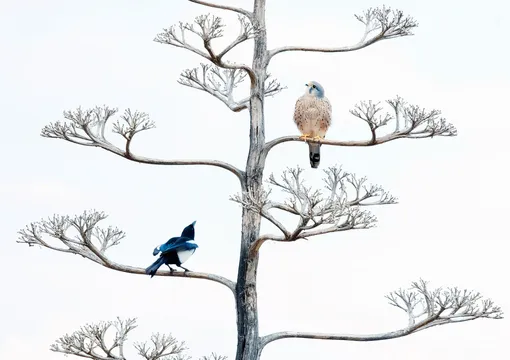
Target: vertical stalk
{"x":248,"y":342}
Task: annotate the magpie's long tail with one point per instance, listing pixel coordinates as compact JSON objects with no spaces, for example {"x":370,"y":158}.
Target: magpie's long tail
{"x":315,"y":154}
{"x":151,"y":270}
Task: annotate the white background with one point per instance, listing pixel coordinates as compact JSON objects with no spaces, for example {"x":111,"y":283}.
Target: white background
{"x":450,"y":226}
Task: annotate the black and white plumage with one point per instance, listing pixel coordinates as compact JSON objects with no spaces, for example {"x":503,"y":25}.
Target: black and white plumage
{"x":175,"y":251}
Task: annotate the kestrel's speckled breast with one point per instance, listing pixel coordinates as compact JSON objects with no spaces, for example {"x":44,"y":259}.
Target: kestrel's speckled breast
{"x":312,"y":115}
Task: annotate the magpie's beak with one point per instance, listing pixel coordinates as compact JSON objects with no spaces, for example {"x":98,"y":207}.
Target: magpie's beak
{"x":193,"y":223}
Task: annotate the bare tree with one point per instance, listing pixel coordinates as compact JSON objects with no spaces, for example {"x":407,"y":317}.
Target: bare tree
{"x":340,"y":206}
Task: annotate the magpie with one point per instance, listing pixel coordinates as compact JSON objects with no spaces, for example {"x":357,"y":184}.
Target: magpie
{"x":175,"y":251}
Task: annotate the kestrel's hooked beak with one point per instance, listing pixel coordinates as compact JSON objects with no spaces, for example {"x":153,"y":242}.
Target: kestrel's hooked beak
{"x":310,"y":87}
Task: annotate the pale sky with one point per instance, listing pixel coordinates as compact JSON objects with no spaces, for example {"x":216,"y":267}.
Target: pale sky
{"x":450,"y":226}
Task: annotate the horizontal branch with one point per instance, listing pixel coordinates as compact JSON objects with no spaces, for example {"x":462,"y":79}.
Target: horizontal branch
{"x":185,"y":274}
{"x":381,"y":140}
{"x":144,"y":160}
{"x":411,"y":122}
{"x":87,"y":128}
{"x":92,"y":243}
{"x":345,"y":337}
{"x":246,"y":13}
{"x":439,"y":307}
{"x":385,"y":23}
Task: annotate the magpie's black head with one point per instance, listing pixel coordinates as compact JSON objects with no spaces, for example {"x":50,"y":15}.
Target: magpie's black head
{"x":189,"y":231}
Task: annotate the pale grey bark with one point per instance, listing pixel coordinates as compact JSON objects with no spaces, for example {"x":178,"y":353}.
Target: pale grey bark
{"x":224,"y":7}
{"x":340,"y":207}
{"x":380,"y":24}
{"x":411,"y":122}
{"x":87,"y":128}
{"x":207,"y":28}
{"x":162,"y":347}
{"x":92,"y":243}
{"x":222,"y":83}
{"x":425,"y":308}
{"x":91,"y":342}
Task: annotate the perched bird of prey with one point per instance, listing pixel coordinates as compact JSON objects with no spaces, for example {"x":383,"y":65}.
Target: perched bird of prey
{"x":312,"y":116}
{"x":175,"y":251}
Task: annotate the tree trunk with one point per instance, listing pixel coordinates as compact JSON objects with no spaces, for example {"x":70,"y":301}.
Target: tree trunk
{"x":246,"y":291}
{"x":248,"y":342}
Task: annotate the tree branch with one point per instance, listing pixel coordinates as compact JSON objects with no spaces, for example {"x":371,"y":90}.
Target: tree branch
{"x":259,"y":203}
{"x":91,"y":242}
{"x":210,"y":79}
{"x":162,"y":347}
{"x":340,"y":207}
{"x":87,"y":127}
{"x":272,"y":86}
{"x":90,"y":341}
{"x":221,"y":83}
{"x":456,"y":305}
{"x":214,"y":356}
{"x":246,"y":13}
{"x":207,"y":28}
{"x":246,"y":31}
{"x":217,"y":82}
{"x":411,"y":122}
{"x":385,"y":23}
{"x":437,"y":307}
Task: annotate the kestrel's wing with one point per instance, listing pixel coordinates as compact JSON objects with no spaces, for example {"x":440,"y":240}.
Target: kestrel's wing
{"x":324,"y":117}
{"x":306,"y":114}
{"x":300,"y":118}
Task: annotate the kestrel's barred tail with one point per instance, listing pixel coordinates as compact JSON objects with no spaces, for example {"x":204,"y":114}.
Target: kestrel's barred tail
{"x":315,"y":154}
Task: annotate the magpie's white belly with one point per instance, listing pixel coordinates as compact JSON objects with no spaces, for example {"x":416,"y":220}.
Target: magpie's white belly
{"x":185,"y":255}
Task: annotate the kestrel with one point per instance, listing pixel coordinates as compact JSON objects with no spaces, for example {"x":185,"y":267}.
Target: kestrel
{"x":312,"y":116}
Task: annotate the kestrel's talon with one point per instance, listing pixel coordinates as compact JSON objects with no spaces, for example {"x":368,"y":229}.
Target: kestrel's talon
{"x":317,"y":138}
{"x":304,"y":137}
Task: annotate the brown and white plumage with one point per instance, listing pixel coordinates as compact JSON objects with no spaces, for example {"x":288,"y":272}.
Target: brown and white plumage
{"x":312,"y":116}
